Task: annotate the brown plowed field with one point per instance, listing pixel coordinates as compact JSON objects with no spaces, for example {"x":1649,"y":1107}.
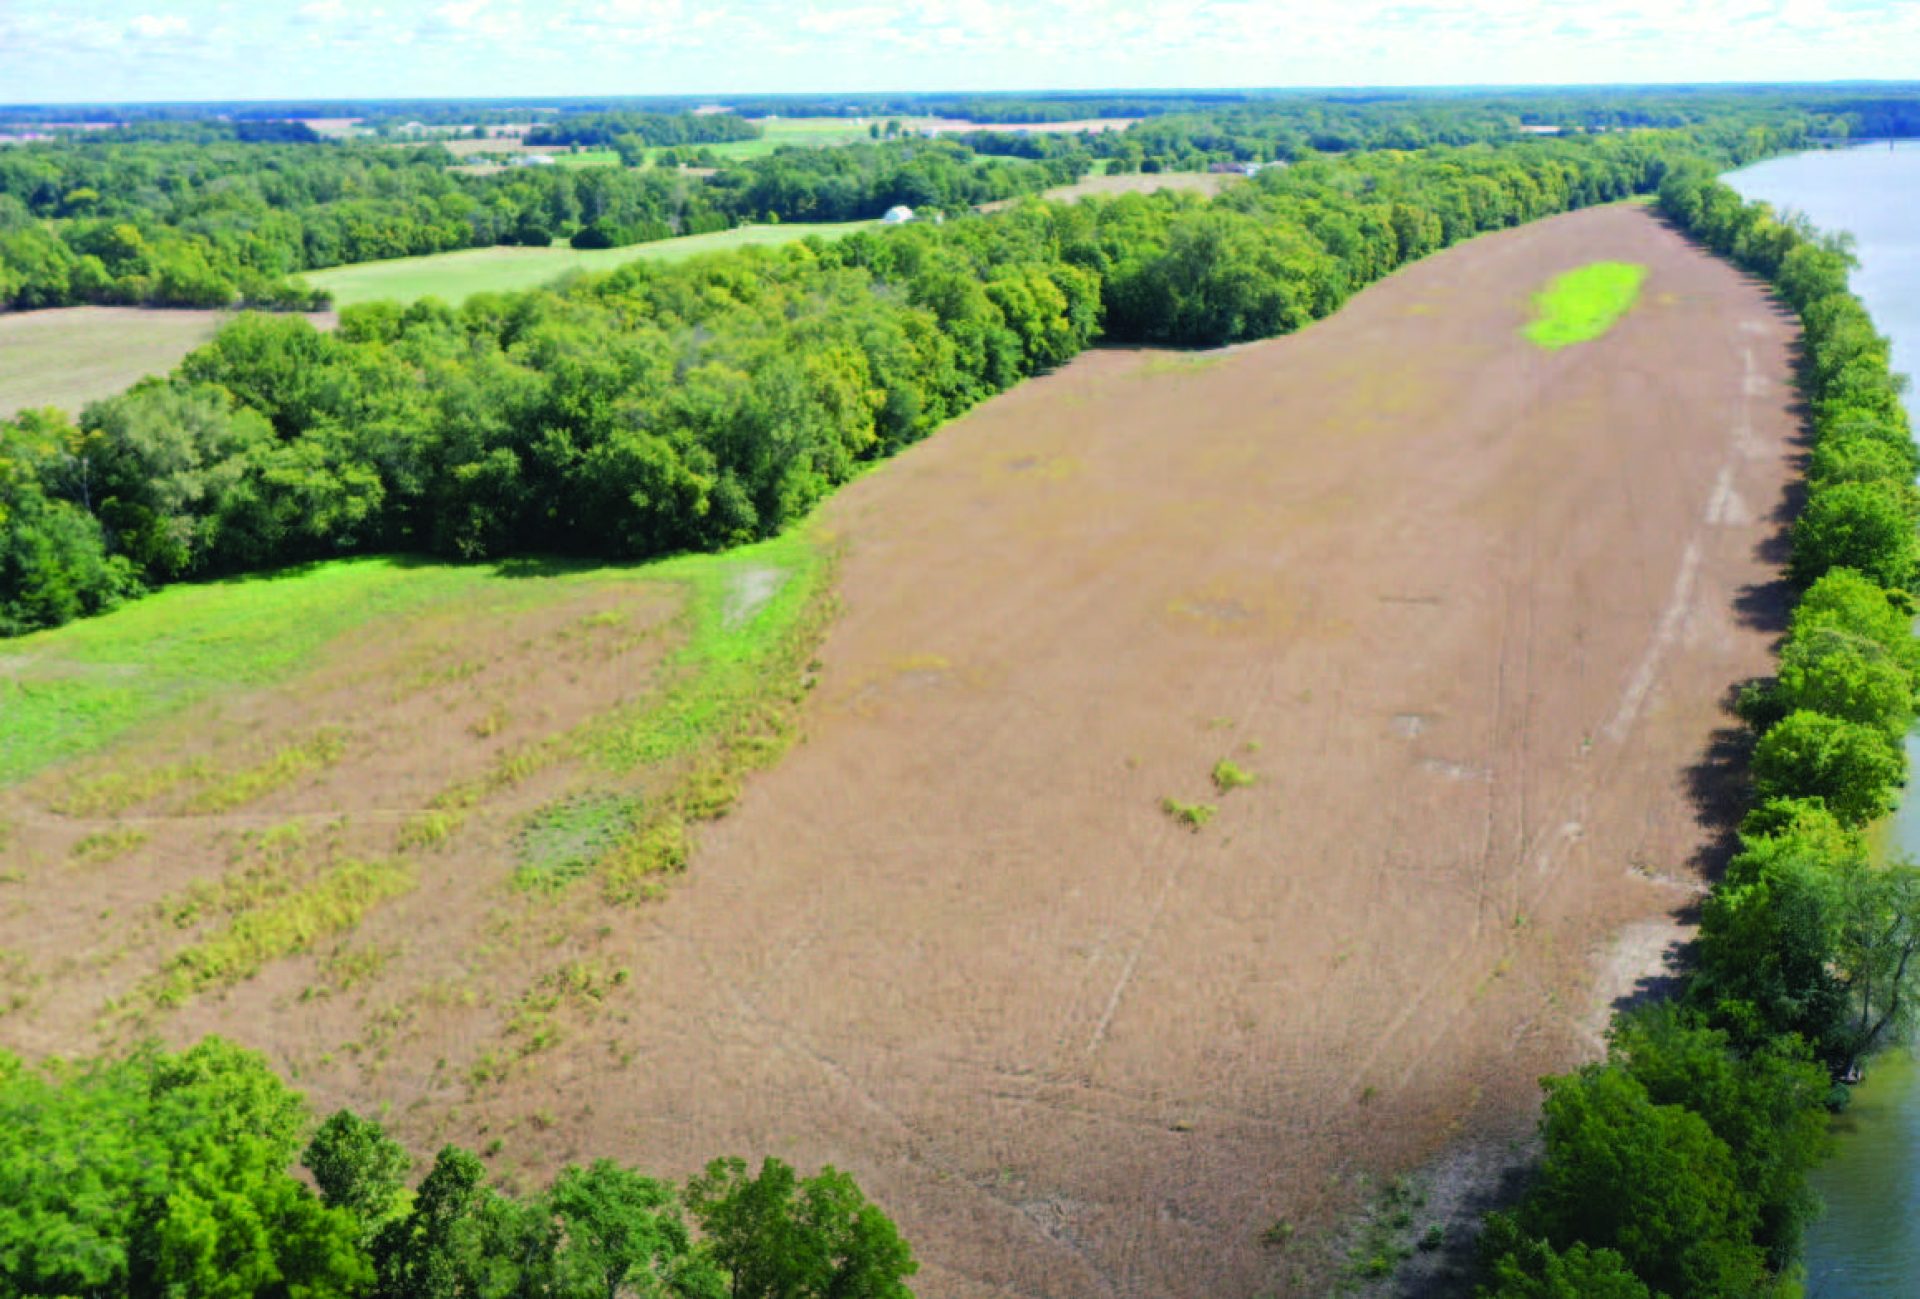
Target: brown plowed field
{"x":1468,"y":609}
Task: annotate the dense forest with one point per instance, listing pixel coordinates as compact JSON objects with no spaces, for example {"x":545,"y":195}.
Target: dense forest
{"x":647,"y":129}
{"x":1678,"y":1165}
{"x":667,"y":407}
{"x":160,"y":1175}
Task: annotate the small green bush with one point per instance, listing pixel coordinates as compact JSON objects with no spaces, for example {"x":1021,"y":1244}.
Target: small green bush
{"x":1194,"y":816}
{"x":1229,"y":775}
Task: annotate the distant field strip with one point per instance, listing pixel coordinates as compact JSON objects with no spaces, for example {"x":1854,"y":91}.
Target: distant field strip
{"x":454,"y":277}
{"x":70,"y":356}
{"x":1583,"y":304}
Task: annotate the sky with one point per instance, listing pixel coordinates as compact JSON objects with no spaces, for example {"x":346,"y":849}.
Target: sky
{"x":54,"y":51}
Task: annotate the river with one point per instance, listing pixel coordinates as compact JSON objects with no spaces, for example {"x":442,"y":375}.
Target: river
{"x":1868,"y":1244}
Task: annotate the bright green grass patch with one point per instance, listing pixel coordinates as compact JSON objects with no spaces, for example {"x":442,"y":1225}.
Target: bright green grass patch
{"x":1583,"y":304}
{"x":808,"y":132}
{"x":71,"y":690}
{"x":454,"y":277}
{"x":741,"y":609}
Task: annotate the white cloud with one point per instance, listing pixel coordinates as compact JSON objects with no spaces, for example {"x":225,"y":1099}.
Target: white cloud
{"x":157,"y":26}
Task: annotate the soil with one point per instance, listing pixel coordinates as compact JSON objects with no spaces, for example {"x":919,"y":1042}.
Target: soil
{"x":1465,"y":609}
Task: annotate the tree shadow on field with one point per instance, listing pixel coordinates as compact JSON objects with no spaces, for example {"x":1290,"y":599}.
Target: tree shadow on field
{"x":1450,"y":1271}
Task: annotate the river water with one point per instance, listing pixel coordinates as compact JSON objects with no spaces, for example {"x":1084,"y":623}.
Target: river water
{"x":1868,"y":1244}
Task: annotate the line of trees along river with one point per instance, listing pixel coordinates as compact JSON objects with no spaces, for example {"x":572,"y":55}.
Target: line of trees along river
{"x":1867,"y":1243}
{"x":1680,"y":1165}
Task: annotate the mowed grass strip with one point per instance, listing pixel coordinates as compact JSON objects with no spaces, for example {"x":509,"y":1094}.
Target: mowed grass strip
{"x":455,"y":277}
{"x":1583,"y":304}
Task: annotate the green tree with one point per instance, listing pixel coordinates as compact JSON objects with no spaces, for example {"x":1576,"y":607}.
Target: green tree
{"x":1649,"y":1181}
{"x":1853,"y":767}
{"x":1867,"y":526}
{"x":622,"y":1235}
{"x":1520,"y":1266}
{"x":782,"y":1238}
{"x":358,"y":1168}
{"x":1879,"y":934}
{"x":1851,"y":677}
{"x":1768,"y":1105}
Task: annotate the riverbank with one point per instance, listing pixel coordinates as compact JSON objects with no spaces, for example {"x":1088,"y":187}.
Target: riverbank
{"x":1868,"y":1241}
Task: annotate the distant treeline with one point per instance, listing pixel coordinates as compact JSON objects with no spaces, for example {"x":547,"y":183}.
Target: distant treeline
{"x":694,"y":406}
{"x":1292,"y":129}
{"x":163,"y":1175}
{"x":188,"y":212}
{"x":646,"y":129}
{"x":1678,"y":1166}
{"x":214,"y":223}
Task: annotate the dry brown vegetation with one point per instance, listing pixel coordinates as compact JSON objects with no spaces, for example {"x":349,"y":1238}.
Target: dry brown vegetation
{"x":69,"y":356}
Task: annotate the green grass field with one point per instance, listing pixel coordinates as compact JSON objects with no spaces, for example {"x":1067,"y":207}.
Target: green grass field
{"x":1583,"y":304}
{"x":71,"y":691}
{"x":454,"y":277}
{"x":68,"y":691}
{"x":810,"y":132}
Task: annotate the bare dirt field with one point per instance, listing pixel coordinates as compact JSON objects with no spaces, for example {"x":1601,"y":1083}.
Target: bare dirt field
{"x":1463,"y":609}
{"x":1466,"y":609}
{"x":69,"y":356}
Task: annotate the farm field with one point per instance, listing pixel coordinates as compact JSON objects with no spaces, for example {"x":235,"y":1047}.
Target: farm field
{"x":1421,"y":623}
{"x":454,"y":277}
{"x":69,"y":356}
{"x":1194,"y":182}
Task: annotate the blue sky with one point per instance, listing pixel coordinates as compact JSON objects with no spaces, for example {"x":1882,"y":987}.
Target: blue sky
{"x":77,"y":50}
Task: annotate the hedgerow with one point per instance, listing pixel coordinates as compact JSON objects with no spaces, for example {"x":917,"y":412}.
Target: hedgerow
{"x":1678,"y":1165}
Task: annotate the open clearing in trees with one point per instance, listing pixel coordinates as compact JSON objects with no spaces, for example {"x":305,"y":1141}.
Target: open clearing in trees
{"x":69,"y":356}
{"x":456,"y":276}
{"x":1427,"y":626}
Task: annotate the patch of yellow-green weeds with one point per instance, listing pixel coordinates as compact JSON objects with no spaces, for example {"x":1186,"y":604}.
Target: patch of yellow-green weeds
{"x":103,"y":846}
{"x":109,"y":793}
{"x":579,"y":987}
{"x":225,"y":790}
{"x":1230,"y":775}
{"x":265,"y":865}
{"x":1189,"y":816}
{"x":287,"y":893}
